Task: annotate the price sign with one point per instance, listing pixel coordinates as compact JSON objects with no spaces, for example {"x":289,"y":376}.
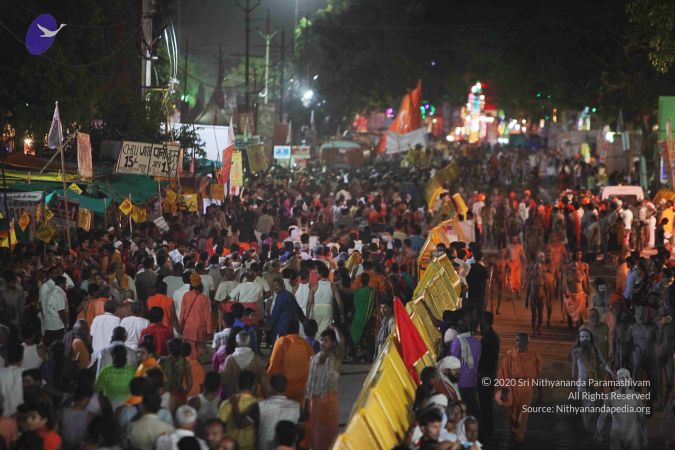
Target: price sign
{"x":141,"y":158}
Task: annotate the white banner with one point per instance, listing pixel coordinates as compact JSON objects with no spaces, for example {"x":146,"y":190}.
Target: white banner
{"x":155,"y":160}
{"x":20,"y":202}
{"x":398,"y":143}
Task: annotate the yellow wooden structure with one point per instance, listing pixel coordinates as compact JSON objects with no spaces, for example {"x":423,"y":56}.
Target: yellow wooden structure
{"x":381,"y":415}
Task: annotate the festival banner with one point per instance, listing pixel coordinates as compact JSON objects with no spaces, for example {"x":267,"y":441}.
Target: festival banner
{"x":170,"y":196}
{"x":84,"y":218}
{"x":157,"y":160}
{"x":24,"y":221}
{"x":18,"y":202}
{"x":6,"y":237}
{"x":236,"y":170}
{"x":139,"y":214}
{"x":75,"y":188}
{"x":217,"y":192}
{"x":45,"y":232}
{"x":188,"y":202}
{"x":161,"y":224}
{"x":84,"y":163}
{"x":126,"y":206}
{"x":257,"y":159}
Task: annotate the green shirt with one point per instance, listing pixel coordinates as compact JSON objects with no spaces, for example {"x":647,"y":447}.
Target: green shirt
{"x":113,"y":382}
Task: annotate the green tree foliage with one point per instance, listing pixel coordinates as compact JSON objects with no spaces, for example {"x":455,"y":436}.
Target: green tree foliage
{"x":656,"y":21}
{"x":533,"y":55}
{"x":92,"y":69}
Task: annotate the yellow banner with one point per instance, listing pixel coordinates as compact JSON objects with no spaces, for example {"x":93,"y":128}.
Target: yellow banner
{"x":170,"y":196}
{"x":126,"y":206}
{"x":139,"y":214}
{"x":257,"y":159}
{"x":218,"y":192}
{"x":237,"y":170}
{"x":188,"y":202}
{"x":84,"y":218}
{"x":75,"y":188}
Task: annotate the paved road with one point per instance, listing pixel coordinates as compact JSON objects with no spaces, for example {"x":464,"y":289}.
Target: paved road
{"x":554,"y":431}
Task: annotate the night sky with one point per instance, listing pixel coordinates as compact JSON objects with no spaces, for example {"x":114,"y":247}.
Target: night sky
{"x":208,"y":23}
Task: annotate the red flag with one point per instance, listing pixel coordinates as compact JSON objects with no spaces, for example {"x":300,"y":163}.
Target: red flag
{"x":412,"y":345}
{"x":409,"y":117}
{"x":416,"y":103}
{"x":382,"y":145}
{"x":224,"y":177}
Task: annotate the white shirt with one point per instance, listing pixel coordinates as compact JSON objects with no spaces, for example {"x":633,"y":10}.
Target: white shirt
{"x":224,"y":289}
{"x":53,"y":302}
{"x":134,"y":325}
{"x":101,"y":331}
{"x":173,"y":283}
{"x":220,"y":338}
{"x":208,"y":285}
{"x":627,"y":217}
{"x":170,"y":441}
{"x":246,"y":292}
{"x":178,"y":297}
{"x":11,"y":388}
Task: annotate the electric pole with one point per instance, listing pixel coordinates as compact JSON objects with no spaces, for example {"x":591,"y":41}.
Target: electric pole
{"x":281,"y":75}
{"x":268,"y":38}
{"x":185,"y":110}
{"x":148,"y":10}
{"x":248,"y":9}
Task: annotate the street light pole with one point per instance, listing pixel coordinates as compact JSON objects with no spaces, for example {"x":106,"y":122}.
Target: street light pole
{"x":248,"y":9}
{"x":268,"y":38}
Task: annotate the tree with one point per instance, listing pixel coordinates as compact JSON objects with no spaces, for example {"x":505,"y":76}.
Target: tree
{"x":656,"y":19}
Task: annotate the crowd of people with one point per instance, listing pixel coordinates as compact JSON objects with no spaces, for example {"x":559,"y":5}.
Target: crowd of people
{"x":229,"y":331}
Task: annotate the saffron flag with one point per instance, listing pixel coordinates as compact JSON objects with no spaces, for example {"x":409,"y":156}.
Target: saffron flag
{"x":408,"y":120}
{"x":55,"y":136}
{"x":224,"y":175}
{"x":410,"y":341}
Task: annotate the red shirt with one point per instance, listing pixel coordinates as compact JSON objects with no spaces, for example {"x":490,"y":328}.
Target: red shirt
{"x":50,"y":439}
{"x":162,"y":335}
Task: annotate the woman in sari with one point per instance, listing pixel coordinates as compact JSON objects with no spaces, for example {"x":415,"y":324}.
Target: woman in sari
{"x":176,"y":369}
{"x":363,"y":309}
{"x":145,"y":356}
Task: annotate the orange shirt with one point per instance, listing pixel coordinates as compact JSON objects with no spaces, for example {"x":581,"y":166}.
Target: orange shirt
{"x":290,"y":356}
{"x":164,"y":302}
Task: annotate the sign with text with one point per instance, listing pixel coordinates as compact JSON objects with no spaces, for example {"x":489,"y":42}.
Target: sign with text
{"x":20,"y":202}
{"x":282,"y":152}
{"x":155,"y":160}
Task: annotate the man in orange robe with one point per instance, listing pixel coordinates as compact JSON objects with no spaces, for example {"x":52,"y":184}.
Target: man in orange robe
{"x":519,"y":368}
{"x":195,"y":316}
{"x":290,"y":357}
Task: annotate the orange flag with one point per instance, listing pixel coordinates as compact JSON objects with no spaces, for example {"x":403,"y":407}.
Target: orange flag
{"x":412,"y":345}
{"x":409,"y":117}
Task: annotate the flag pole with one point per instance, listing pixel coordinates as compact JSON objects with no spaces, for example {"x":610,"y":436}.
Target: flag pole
{"x":65,"y":194}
